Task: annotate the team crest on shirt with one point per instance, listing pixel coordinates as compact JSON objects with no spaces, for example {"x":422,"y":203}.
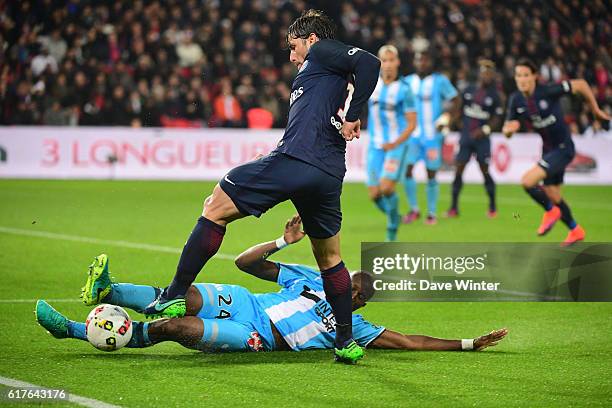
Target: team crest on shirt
{"x":255,"y":342}
{"x":543,"y":104}
{"x":488,"y":101}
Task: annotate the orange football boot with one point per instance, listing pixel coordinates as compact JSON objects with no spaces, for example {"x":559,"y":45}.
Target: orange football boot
{"x":575,"y":235}
{"x":549,"y":219}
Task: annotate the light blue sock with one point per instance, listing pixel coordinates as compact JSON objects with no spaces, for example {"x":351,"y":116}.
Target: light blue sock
{"x":433,"y":191}
{"x":411,"y":193}
{"x":393,"y":217}
{"x":76,"y":330}
{"x":381,"y":203}
{"x":140,"y":335}
{"x":135,"y":297}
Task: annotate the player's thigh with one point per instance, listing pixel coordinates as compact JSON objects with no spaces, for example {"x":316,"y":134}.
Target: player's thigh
{"x":220,"y":209}
{"x":483,"y":152}
{"x":415,"y":151}
{"x":433,"y":155}
{"x":374,"y":165}
{"x":326,"y":251}
{"x":554,"y":164}
{"x":258,"y":185}
{"x":318,"y":203}
{"x":227,"y":336}
{"x":465,"y":153}
{"x":221,"y":301}
{"x":394,"y":167}
{"x":533,"y":176}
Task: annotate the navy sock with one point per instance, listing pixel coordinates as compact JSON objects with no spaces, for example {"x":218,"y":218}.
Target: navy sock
{"x":566,"y":215}
{"x":490,"y":187}
{"x":338,"y":291}
{"x":540,"y":197}
{"x":457,"y":186}
{"x":203,"y":244}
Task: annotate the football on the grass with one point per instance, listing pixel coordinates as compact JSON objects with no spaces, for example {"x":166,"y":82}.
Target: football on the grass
{"x":108,"y":327}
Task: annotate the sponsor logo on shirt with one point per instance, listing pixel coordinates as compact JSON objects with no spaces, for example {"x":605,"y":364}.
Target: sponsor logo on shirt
{"x":540,"y":123}
{"x":296,"y":94}
{"x":475,"y":111}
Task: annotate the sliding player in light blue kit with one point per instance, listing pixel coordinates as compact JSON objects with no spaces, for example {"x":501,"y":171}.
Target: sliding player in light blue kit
{"x":433,"y":93}
{"x":391,"y":120}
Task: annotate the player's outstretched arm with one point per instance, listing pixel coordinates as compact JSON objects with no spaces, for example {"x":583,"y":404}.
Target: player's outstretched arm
{"x":398,"y":341}
{"x":254,"y":260}
{"x":580,"y":86}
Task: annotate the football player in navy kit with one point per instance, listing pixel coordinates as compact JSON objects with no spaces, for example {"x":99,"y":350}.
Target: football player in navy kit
{"x":482,"y":112}
{"x":333,"y":84}
{"x":539,"y":106}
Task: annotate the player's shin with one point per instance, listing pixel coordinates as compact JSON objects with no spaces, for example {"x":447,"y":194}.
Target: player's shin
{"x":135,"y":297}
{"x":337,"y":287}
{"x":539,"y":196}
{"x":203,"y":244}
{"x":411,"y":193}
{"x":433,"y":191}
{"x":490,"y":188}
{"x":457,"y":186}
{"x":566,"y":215}
{"x":381,"y":203}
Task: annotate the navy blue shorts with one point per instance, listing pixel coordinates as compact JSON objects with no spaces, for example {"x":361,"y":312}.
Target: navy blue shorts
{"x":480,"y":147}
{"x":554,"y":163}
{"x":259,"y":185}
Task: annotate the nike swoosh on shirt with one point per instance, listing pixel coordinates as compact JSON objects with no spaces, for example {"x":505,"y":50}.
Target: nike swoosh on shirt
{"x":520,"y":110}
{"x":228,"y":180}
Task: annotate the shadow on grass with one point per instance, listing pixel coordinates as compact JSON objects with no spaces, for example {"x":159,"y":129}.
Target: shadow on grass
{"x":278,"y":357}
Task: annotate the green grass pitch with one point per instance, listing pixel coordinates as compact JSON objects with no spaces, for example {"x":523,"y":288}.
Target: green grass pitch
{"x":557,"y":354}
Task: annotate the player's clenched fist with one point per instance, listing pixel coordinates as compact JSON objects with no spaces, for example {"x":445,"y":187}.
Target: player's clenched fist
{"x":351,"y":130}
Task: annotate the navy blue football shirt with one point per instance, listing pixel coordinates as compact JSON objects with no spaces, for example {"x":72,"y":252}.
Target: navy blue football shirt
{"x":479,"y":105}
{"x":542,"y":110}
{"x":333,"y":84}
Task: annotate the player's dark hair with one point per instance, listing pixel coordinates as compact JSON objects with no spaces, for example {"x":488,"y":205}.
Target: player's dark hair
{"x":526,"y":62}
{"x":366,"y":282}
{"x":312,"y":21}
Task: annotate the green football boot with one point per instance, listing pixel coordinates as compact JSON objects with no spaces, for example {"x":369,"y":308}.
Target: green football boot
{"x":349,"y":354}
{"x":51,"y":319}
{"x":162,"y":307}
{"x":98,"y":284}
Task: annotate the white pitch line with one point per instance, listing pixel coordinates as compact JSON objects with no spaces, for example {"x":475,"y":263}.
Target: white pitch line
{"x":98,"y":241}
{"x":75,"y":399}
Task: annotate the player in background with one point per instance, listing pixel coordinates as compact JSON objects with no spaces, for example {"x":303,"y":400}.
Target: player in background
{"x":436,"y":102}
{"x":391,"y":120}
{"x":482,"y":112}
{"x":333,"y":83}
{"x":227,"y":318}
{"x":538,"y":106}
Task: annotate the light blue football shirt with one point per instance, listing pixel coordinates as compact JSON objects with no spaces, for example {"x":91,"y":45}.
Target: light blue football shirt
{"x":430,"y":93}
{"x":387,"y":109}
{"x":302,"y":315}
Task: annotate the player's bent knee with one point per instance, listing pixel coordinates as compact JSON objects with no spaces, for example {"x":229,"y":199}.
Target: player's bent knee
{"x":219,"y":207}
{"x":387,"y":188}
{"x":193,"y":301}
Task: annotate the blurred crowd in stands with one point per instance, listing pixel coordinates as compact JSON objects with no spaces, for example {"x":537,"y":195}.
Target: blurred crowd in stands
{"x":223,"y":63}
